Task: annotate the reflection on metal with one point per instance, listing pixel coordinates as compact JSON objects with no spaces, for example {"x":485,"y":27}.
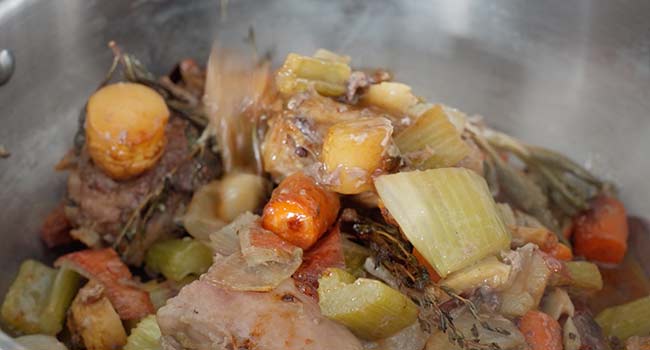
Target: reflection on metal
{"x":6,"y":66}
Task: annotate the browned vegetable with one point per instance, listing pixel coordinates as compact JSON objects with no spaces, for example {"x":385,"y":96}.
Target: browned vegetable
{"x":105,"y":266}
{"x":300,"y":210}
{"x":93,"y":322}
{"x":125,"y":129}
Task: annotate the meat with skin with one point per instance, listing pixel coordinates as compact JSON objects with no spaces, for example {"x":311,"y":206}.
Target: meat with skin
{"x":100,"y":206}
{"x":206,"y":317}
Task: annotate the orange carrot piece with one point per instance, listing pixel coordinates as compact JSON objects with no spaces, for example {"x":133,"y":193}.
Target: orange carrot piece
{"x":541,"y":331}
{"x":300,"y":210}
{"x":326,"y":253}
{"x":105,"y":266}
{"x":433,"y":275}
{"x":600,"y":234}
{"x":561,"y":252}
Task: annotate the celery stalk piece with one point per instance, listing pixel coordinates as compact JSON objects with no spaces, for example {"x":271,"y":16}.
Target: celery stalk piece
{"x":355,"y":256}
{"x":489,"y":272}
{"x":393,"y":97}
{"x":27,"y":296}
{"x":584,"y":275}
{"x":65,"y":287}
{"x":145,"y":336}
{"x":369,"y":308}
{"x":624,"y":321}
{"x":298,"y":72}
{"x":448,"y":214}
{"x":179,"y":258}
{"x":432,"y":141}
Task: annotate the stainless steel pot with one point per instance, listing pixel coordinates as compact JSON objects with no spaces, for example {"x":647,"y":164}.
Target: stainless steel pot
{"x":571,"y":75}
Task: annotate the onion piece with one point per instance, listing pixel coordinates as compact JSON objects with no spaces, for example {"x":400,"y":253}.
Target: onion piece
{"x":234,"y":273}
{"x":226,"y":240}
{"x":201,"y":218}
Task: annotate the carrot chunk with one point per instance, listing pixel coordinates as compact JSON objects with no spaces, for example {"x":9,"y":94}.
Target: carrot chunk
{"x":600,"y":234}
{"x":300,"y":211}
{"x":105,"y":266}
{"x":541,"y":331}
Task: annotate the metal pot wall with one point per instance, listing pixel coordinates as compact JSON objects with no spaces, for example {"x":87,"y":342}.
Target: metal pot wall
{"x":571,"y":75}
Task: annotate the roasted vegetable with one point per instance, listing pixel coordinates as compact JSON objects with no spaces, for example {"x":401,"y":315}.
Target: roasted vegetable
{"x":624,"y":321}
{"x":448,"y":214}
{"x":369,"y":308}
{"x":201,"y":218}
{"x":125,"y":129}
{"x":557,"y":303}
{"x":298,"y":73}
{"x":432,"y":141}
{"x":39,"y":297}
{"x":600,"y":234}
{"x":489,"y":272}
{"x":355,"y":150}
{"x":105,"y":266}
{"x":542,"y":332}
{"x":27,"y":297}
{"x":64,"y":287}
{"x":529,"y":282}
{"x":300,"y":211}
{"x":179,"y":258}
{"x":93,"y":322}
{"x":578,"y":276}
{"x":395,"y":98}
{"x":145,"y":336}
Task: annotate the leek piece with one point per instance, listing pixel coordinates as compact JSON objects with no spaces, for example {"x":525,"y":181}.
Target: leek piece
{"x":395,"y":98}
{"x":298,"y":72}
{"x":145,"y":336}
{"x":584,"y":275}
{"x":27,"y":297}
{"x":432,"y":141}
{"x":624,"y":321}
{"x":179,"y":258}
{"x":448,"y":214}
{"x":64,"y":288}
{"x":558,"y":303}
{"x":369,"y":308}
{"x":489,"y":272}
{"x":571,"y":335}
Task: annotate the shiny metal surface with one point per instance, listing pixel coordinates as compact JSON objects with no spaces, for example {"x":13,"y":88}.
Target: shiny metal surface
{"x":571,"y":75}
{"x":6,"y":66}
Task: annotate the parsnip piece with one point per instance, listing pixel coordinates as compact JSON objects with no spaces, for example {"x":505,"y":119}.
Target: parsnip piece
{"x":395,"y":98}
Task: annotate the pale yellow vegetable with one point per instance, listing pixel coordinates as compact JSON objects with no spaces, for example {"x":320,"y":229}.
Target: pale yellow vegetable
{"x":448,"y":214}
{"x":570,"y":335}
{"x":94,"y":320}
{"x":395,"y":98}
{"x":489,"y":272}
{"x":40,"y":342}
{"x":584,"y":275}
{"x":328,"y":55}
{"x":145,"y":336}
{"x":354,"y":150}
{"x":557,"y":303}
{"x":327,"y":76}
{"x":432,"y":141}
{"x":369,"y":308}
{"x":529,"y":281}
{"x":125,"y":129}
{"x":222,"y":201}
{"x":624,"y":321}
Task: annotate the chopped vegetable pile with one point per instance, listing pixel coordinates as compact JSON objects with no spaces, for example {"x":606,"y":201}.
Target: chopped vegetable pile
{"x":316,"y":207}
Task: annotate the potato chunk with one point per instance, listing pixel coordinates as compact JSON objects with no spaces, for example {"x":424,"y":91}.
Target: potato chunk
{"x":125,"y":129}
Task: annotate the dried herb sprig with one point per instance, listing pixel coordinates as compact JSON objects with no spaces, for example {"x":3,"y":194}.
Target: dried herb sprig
{"x":393,"y":252}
